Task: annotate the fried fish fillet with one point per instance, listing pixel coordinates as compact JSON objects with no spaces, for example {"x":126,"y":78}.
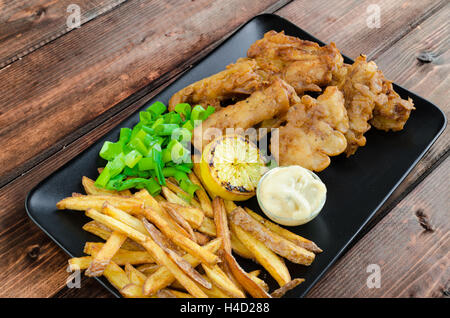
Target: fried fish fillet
{"x":303,"y":64}
{"x":240,"y":78}
{"x":391,"y":112}
{"x":259,"y":106}
{"x":369,"y":98}
{"x":314,"y":131}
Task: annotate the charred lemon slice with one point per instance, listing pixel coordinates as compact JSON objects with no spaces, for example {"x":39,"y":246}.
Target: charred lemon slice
{"x":231,"y":167}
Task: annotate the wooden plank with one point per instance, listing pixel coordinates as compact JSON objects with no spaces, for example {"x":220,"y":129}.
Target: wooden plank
{"x":51,"y":96}
{"x":28,"y":25}
{"x":345,"y":22}
{"x":43,"y":281}
{"x":413,"y":262}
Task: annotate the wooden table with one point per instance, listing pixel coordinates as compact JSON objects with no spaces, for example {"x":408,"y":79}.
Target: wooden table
{"x":63,"y":89}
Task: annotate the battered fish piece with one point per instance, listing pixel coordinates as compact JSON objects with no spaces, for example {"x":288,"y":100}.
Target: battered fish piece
{"x":259,"y":106}
{"x":391,"y":112}
{"x":303,"y":64}
{"x":369,"y":98}
{"x":314,"y":131}
{"x":241,"y":78}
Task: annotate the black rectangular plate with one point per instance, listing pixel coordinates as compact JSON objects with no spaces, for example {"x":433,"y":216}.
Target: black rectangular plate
{"x":357,"y":186}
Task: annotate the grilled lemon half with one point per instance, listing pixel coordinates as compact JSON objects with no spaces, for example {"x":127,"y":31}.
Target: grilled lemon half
{"x":231,"y":167}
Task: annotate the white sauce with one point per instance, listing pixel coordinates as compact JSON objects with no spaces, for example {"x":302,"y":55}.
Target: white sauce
{"x":291,"y":195}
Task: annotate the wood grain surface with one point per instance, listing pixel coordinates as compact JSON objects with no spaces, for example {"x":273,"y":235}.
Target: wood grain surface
{"x":25,"y":26}
{"x":63,"y":96}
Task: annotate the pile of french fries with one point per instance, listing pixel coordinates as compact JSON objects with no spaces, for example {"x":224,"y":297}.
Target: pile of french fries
{"x":167,"y":247}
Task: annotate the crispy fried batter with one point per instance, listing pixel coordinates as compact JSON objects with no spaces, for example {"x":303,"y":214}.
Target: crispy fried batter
{"x":314,"y":131}
{"x":392,"y":112}
{"x":303,"y":64}
{"x":240,"y":78}
{"x":369,"y":95}
{"x":261,"y":105}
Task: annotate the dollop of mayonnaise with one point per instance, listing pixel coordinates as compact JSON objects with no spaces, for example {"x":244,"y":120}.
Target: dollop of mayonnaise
{"x":291,"y":195}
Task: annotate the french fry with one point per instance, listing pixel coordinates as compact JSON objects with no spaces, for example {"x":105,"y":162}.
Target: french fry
{"x":85,"y":202}
{"x":160,"y":198}
{"x":106,"y":253}
{"x":148,"y":269}
{"x":165,"y":293}
{"x":276,"y":243}
{"x":254,"y":276}
{"x":181,"y":222}
{"x":221,"y":222}
{"x":223,"y":232}
{"x":102,"y":231}
{"x":192,"y":215}
{"x":154,"y":205}
{"x":172,"y":197}
{"x":278,"y":293}
{"x":179,"y":294}
{"x":136,"y":277}
{"x":133,"y":291}
{"x":264,"y":256}
{"x":122,"y":256}
{"x":221,"y":280}
{"x":288,"y":235}
{"x":202,"y":196}
{"x":182,"y":241}
{"x":159,"y":238}
{"x":201,"y":238}
{"x":116,"y":275}
{"x":90,"y":188}
{"x":79,"y":263}
{"x":159,"y":255}
{"x":182,"y":194}
{"x":163,"y":277}
{"x":209,"y":228}
{"x":123,"y":217}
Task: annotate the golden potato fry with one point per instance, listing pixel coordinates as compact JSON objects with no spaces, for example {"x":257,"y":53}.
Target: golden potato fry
{"x":163,"y":277}
{"x":116,"y":275}
{"x":102,"y":231}
{"x":90,"y":188}
{"x":221,"y":280}
{"x":182,"y":241}
{"x":264,"y":256}
{"x":148,"y":269}
{"x":122,"y":256}
{"x":85,"y":202}
{"x":123,"y":217}
{"x":254,"y":276}
{"x":181,"y":222}
{"x":106,"y":253}
{"x":179,"y":294}
{"x":207,"y":227}
{"x":136,"y":277}
{"x":287,"y":287}
{"x":160,"y":239}
{"x":193,"y":215}
{"x":288,"y":235}
{"x":223,"y":232}
{"x":172,"y":197}
{"x":275,"y":242}
{"x":159,"y":255}
{"x":201,"y":238}
{"x":202,"y":196}
{"x":150,"y":202}
{"x":133,"y":291}
{"x":182,"y":194}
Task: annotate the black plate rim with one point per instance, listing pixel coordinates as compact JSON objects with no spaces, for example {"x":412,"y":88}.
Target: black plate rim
{"x":106,"y":284}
